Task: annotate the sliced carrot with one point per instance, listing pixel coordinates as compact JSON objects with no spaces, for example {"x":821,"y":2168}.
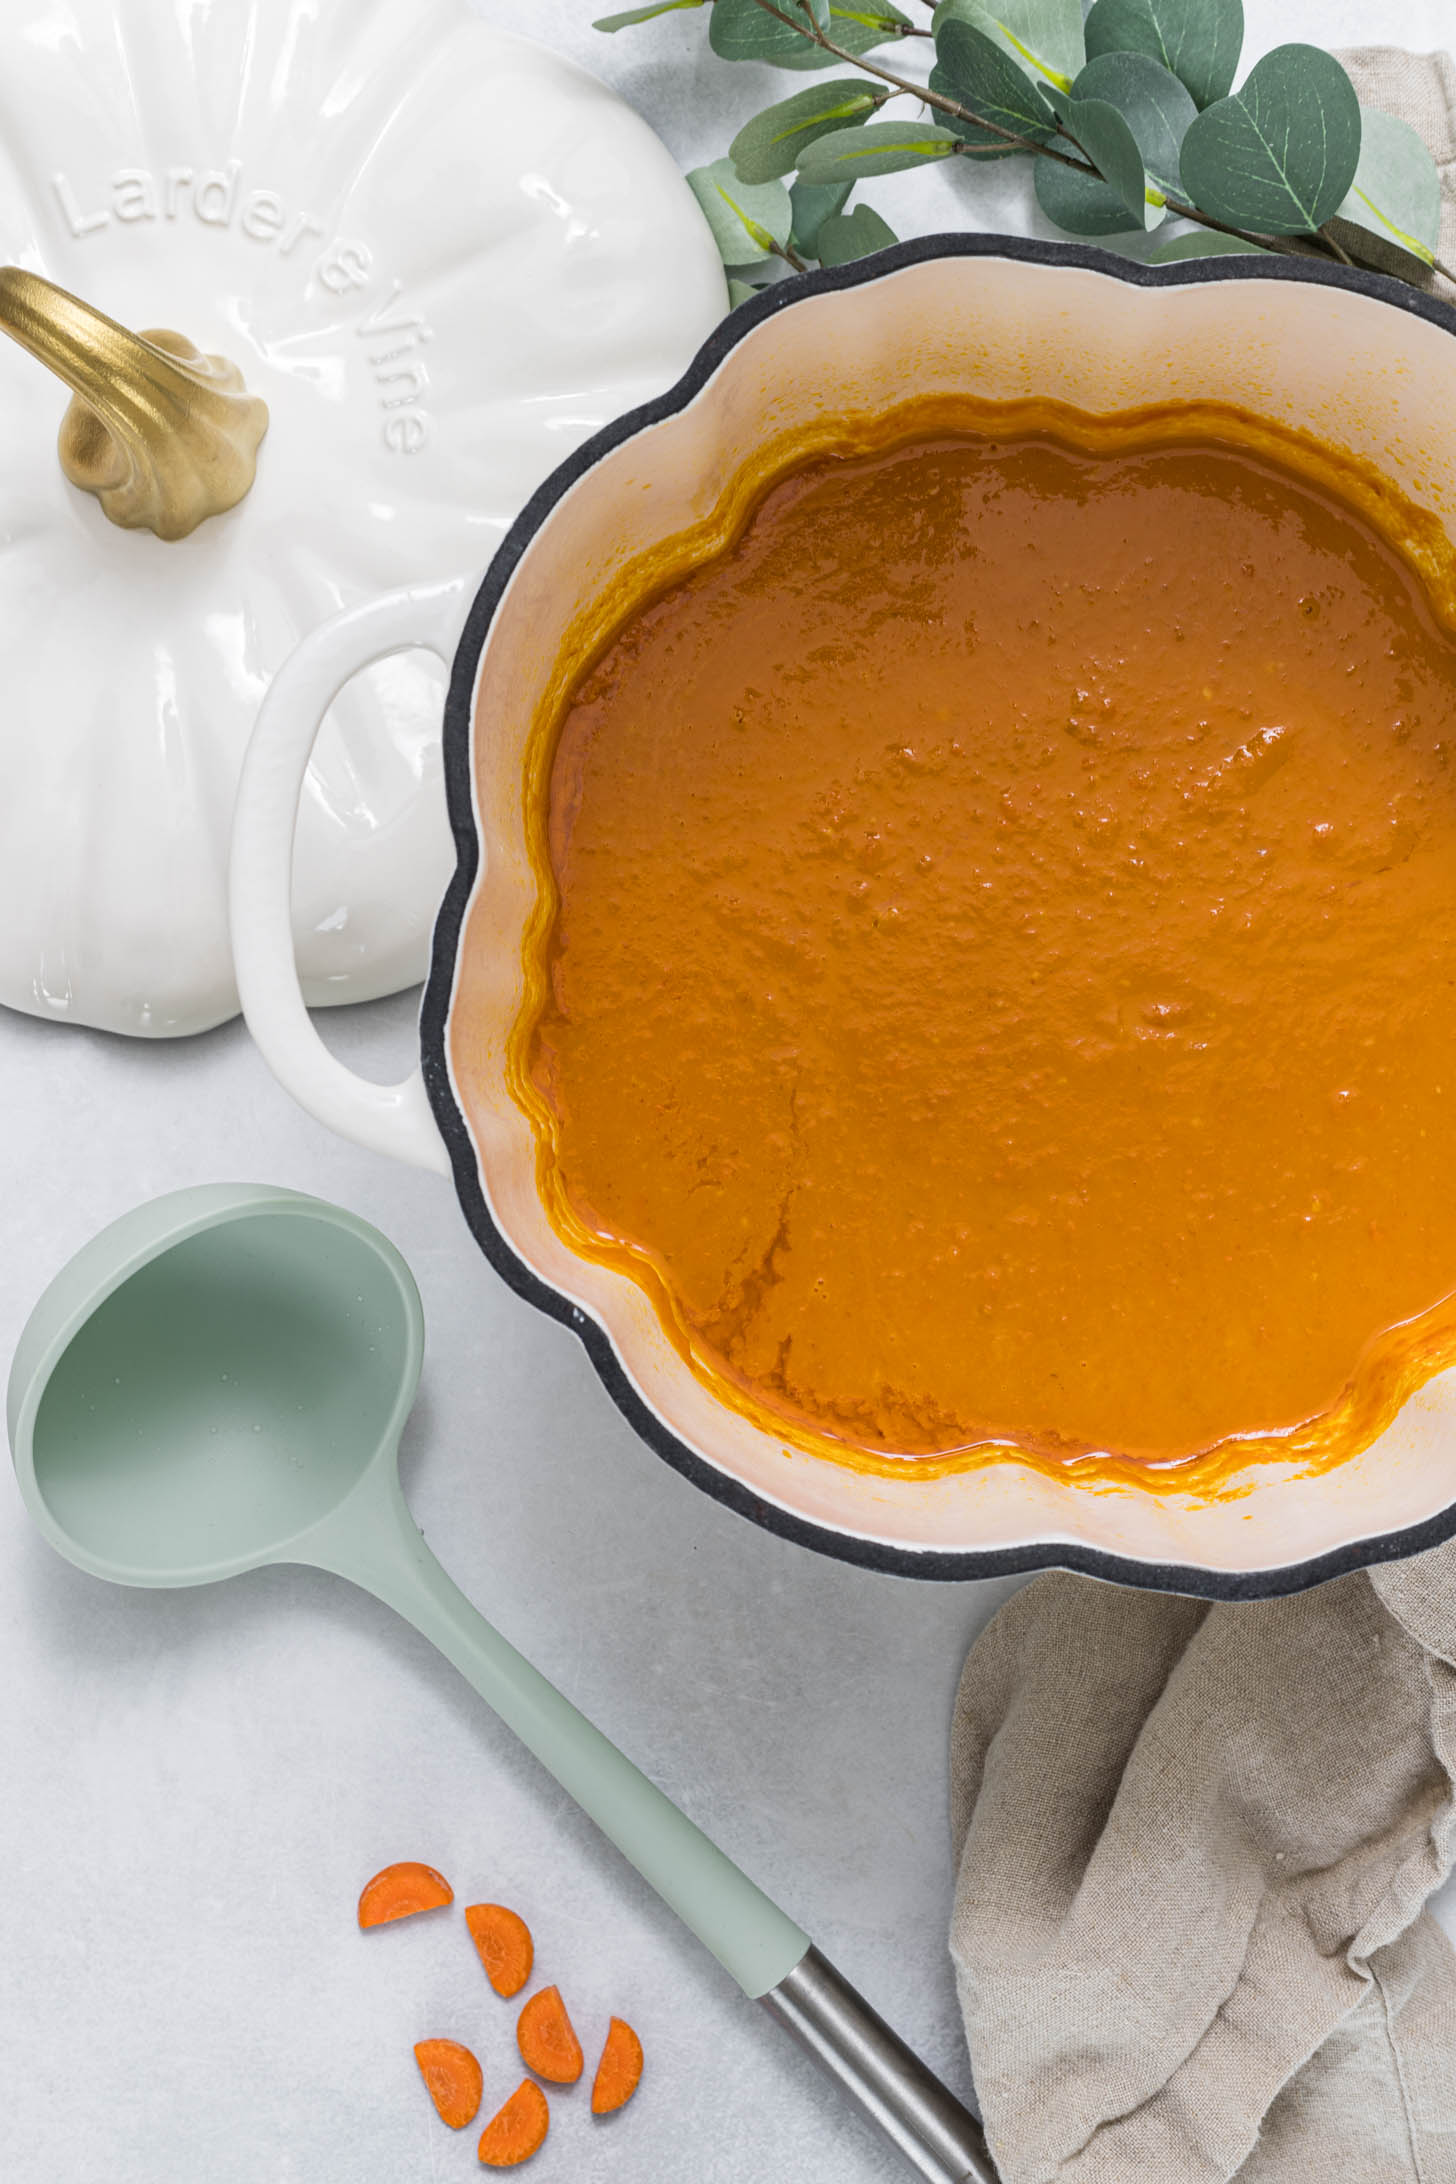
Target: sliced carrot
{"x":547,"y":2042}
{"x":454,"y":2080}
{"x":504,"y":1941}
{"x":519,"y":2129}
{"x":619,"y":2069}
{"x":401,"y":1890}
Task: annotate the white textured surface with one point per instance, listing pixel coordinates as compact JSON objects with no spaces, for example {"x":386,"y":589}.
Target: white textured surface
{"x":194,"y":1786}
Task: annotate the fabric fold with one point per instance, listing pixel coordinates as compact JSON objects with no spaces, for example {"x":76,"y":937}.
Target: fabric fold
{"x":1194,"y":1846}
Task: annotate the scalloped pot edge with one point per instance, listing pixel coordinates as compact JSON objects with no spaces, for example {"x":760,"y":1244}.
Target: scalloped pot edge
{"x":343,"y":264}
{"x":1358,"y":363}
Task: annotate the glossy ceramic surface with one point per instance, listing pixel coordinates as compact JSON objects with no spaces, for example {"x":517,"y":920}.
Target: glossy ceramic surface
{"x":443,"y":257}
{"x":1360,"y":362}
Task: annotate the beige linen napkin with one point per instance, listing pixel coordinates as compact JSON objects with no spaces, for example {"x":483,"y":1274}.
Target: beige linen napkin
{"x":1195,"y":1842}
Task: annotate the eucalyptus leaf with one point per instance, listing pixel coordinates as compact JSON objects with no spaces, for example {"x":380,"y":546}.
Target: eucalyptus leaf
{"x":1043,"y":37}
{"x":1109,"y":143}
{"x":1081,"y":203}
{"x":1396,"y":192}
{"x":741,"y":292}
{"x":846,"y":236}
{"x":746,"y":218}
{"x":1281,"y":152}
{"x":643,"y":15}
{"x":1205,"y":243}
{"x":979,"y":74}
{"x":977,"y":143}
{"x":1198,"y":40}
{"x":884,"y":147}
{"x":771,"y":144}
{"x":740,"y":30}
{"x":811,"y":207}
{"x":1155,"y":105}
{"x":819,"y":9}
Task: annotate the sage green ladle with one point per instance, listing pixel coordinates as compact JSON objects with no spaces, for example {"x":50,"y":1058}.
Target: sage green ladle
{"x":219,"y":1381}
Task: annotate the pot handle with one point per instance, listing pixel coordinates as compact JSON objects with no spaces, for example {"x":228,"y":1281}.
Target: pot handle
{"x":387,"y":1118}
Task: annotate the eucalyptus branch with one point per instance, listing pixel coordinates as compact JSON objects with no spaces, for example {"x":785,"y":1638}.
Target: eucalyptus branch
{"x":1322,"y":243}
{"x":923,"y":92}
{"x":1182,"y":211}
{"x":790,"y":256}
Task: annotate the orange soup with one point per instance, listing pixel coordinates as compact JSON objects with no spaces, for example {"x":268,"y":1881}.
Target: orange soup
{"x":999,"y":984}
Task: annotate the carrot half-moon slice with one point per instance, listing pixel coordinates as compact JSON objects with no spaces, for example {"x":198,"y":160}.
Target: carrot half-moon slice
{"x":518,"y":2130}
{"x":402,"y":1890}
{"x":454,"y":2079}
{"x":547,"y":2039}
{"x":504,"y":1941}
{"x":619,"y":2070}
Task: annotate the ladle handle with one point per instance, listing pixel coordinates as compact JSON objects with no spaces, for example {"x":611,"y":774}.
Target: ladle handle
{"x":385,"y":1118}
{"x":374,"y":1540}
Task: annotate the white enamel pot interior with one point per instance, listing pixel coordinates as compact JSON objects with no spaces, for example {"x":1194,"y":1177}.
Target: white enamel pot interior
{"x":1363,"y":363}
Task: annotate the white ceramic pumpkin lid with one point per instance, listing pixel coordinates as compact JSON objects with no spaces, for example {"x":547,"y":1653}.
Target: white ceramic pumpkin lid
{"x":443,"y":257}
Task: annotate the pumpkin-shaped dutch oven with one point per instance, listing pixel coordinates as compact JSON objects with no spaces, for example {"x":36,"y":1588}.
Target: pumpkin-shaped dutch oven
{"x":437,"y":258}
{"x":1352,"y":359}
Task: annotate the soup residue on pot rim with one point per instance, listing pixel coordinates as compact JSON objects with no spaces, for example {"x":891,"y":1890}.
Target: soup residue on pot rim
{"x":994,"y":978}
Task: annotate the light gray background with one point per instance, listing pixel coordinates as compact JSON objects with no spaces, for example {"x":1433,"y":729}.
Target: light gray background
{"x":195,"y":1786}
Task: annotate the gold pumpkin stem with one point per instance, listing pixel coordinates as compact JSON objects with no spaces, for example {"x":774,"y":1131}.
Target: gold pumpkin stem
{"x":161,"y":434}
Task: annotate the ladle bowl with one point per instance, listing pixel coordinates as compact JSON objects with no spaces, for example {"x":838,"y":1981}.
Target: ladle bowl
{"x":219,"y":1381}
{"x":210,"y":1381}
